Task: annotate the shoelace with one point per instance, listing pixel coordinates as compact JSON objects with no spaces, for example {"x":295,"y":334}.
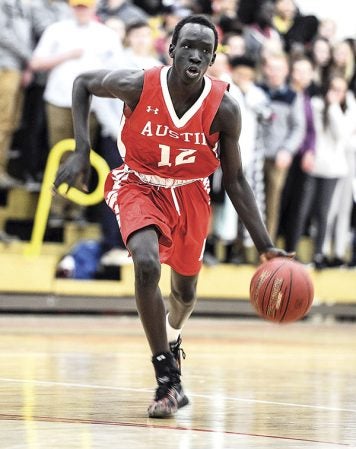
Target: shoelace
{"x":177,"y":350}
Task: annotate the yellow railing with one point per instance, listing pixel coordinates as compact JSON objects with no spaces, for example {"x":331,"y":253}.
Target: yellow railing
{"x":73,"y":194}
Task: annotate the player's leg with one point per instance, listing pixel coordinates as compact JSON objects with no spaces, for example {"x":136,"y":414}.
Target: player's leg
{"x":186,"y":261}
{"x":181,"y":304}
{"x":182,"y":298}
{"x":144,"y":248}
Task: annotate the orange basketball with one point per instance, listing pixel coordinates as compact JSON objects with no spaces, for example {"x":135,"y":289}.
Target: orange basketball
{"x":281,"y":290}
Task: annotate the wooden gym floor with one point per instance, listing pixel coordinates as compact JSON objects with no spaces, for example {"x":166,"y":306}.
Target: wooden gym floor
{"x":84,"y":382}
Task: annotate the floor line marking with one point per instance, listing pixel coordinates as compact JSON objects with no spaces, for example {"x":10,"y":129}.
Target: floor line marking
{"x":204,"y":396}
{"x":161,"y":427}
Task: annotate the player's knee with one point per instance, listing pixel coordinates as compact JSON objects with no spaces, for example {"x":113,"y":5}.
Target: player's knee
{"x":185,"y":295}
{"x":147,"y":269}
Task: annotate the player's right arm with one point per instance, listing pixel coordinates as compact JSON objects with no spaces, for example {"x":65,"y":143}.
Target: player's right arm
{"x":123,"y":84}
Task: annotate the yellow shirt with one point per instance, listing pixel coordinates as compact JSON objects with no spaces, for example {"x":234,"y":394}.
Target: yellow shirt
{"x":282,"y":25}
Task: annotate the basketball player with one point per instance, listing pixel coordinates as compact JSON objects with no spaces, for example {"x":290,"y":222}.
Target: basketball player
{"x":178,"y":125}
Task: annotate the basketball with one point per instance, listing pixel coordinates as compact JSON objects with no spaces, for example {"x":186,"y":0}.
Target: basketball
{"x":281,"y":290}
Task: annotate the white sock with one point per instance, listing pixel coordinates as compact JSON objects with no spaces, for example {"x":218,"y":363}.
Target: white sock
{"x":172,"y":334}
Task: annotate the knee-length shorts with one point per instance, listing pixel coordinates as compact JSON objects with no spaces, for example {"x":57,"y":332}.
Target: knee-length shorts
{"x":180,"y":214}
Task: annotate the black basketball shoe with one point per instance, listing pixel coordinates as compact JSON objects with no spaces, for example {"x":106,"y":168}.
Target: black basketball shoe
{"x":169,"y":396}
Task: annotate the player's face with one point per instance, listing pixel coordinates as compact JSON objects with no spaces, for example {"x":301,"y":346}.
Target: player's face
{"x":194,"y":51}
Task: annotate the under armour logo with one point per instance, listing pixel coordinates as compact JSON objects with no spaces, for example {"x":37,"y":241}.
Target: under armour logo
{"x":151,"y":109}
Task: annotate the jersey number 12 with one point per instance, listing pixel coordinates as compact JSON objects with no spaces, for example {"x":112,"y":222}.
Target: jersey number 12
{"x":184,"y":157}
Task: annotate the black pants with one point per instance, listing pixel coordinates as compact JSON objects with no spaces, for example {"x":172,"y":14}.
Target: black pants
{"x":315,"y":200}
{"x":295,"y":192}
{"x":109,"y":227}
{"x":32,"y":139}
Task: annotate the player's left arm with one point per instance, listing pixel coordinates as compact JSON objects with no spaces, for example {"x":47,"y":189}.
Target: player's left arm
{"x":228,"y":122}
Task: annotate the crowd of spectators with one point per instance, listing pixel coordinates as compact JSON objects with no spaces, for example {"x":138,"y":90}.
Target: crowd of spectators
{"x":294,"y":80}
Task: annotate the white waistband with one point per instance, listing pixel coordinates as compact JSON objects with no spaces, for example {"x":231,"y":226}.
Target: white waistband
{"x":167,"y":183}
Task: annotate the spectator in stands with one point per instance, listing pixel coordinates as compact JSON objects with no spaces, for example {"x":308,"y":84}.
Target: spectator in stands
{"x":122,"y":9}
{"x":282,"y":136}
{"x":66,"y":49}
{"x":332,"y":124}
{"x":320,"y":55}
{"x":298,"y":178}
{"x":220,"y":69}
{"x":338,"y":231}
{"x":31,"y":137}
{"x":151,"y":7}
{"x":259,"y":30}
{"x":352,"y":83}
{"x":296,"y":29}
{"x":171,"y":15}
{"x":327,"y":30}
{"x":343,"y":61}
{"x":139,"y":51}
{"x":234,"y":44}
{"x":255,"y":111}
{"x":15,"y":52}
{"x":162,"y":48}
{"x":118,"y":26}
{"x":224,"y":15}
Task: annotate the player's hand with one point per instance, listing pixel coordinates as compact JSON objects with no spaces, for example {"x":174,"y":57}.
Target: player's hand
{"x":270,"y":253}
{"x":75,"y":171}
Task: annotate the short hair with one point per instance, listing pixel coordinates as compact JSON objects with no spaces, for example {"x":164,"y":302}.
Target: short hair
{"x":136,"y":25}
{"x":195,"y":18}
{"x":301,"y":58}
{"x":238,"y":61}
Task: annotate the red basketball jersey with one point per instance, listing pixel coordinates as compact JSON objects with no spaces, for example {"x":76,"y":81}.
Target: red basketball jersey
{"x":155,"y":141}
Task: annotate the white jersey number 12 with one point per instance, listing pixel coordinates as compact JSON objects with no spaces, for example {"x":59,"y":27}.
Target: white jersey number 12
{"x":185,"y":157}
